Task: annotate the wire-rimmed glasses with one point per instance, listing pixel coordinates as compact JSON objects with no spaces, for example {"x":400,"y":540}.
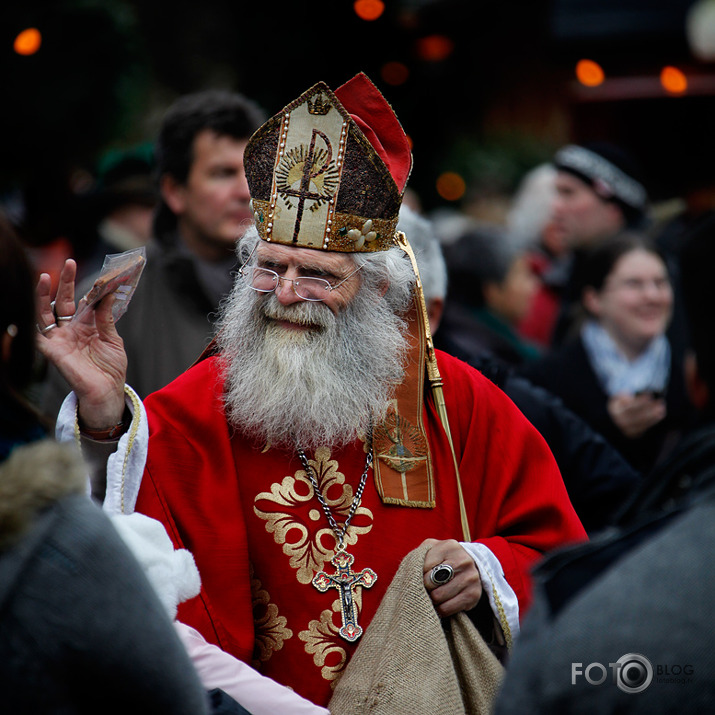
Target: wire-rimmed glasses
{"x":264,"y":280}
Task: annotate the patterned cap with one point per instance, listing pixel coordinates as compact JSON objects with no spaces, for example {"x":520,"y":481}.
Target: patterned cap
{"x":607,"y":170}
{"x":329,"y":170}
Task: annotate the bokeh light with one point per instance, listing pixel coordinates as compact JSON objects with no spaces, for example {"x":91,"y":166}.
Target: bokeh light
{"x":369,"y":9}
{"x":673,"y":80}
{"x":451,"y":186}
{"x":28,"y":41}
{"x":434,"y":48}
{"x":394,"y":73}
{"x":589,"y":73}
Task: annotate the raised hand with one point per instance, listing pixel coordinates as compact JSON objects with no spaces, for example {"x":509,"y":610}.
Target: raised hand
{"x":87,"y":351}
{"x":634,"y":414}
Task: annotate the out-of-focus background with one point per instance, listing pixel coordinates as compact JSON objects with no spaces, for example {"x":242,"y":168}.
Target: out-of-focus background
{"x":485,"y":90}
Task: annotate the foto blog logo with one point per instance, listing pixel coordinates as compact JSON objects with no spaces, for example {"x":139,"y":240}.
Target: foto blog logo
{"x":631,"y":673}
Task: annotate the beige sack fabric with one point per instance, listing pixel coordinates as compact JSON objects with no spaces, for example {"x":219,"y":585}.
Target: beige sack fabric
{"x":409,"y":663}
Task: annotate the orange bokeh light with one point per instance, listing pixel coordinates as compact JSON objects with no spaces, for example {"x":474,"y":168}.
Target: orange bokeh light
{"x":673,"y":80}
{"x":434,"y":48}
{"x":368,"y":9}
{"x":451,"y":186}
{"x":394,"y":73}
{"x":589,"y":73}
{"x":28,"y":41}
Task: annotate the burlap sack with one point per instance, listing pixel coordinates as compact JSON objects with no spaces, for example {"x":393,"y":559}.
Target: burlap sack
{"x":410,"y":662}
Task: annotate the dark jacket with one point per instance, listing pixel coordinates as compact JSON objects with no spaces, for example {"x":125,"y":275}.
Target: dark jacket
{"x":597,"y":478}
{"x":567,"y":373}
{"x":81,"y":630}
{"x":643,"y":587}
{"x":641,"y":597}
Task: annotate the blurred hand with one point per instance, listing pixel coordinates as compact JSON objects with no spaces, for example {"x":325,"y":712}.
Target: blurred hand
{"x":463,"y":592}
{"x":634,"y":414}
{"x":88,"y":352}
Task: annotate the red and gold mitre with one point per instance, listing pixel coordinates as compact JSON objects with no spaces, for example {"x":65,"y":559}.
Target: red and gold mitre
{"x":329,"y":170}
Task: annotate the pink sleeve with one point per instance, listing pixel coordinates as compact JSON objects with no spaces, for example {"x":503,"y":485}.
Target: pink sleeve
{"x":258,"y":694}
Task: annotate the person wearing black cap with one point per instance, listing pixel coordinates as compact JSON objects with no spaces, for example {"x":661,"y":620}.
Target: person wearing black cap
{"x":599,"y":193}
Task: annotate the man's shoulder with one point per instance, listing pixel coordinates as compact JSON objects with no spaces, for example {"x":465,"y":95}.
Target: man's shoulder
{"x":200,"y":385}
{"x":465,"y":386}
{"x":567,"y":360}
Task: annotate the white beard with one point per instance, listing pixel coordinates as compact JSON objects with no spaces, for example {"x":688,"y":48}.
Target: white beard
{"x":321,"y":387}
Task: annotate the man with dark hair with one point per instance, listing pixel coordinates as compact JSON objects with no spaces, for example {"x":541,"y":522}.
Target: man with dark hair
{"x":199,"y":149}
{"x":203,"y":209}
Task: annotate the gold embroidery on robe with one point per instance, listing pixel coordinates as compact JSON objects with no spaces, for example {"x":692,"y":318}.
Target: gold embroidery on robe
{"x":270,"y":628}
{"x":322,"y":642}
{"x":303,"y":533}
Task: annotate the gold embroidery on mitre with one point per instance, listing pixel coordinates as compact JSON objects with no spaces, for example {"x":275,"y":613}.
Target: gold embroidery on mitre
{"x":302,"y":531}
{"x":316,"y":180}
{"x":322,"y":642}
{"x":270,"y":628}
{"x":315,"y":163}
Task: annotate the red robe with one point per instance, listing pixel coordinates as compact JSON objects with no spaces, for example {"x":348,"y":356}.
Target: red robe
{"x":258,"y":533}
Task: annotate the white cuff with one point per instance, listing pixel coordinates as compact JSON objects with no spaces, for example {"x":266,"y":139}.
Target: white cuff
{"x":502,"y":599}
{"x":125,"y":465}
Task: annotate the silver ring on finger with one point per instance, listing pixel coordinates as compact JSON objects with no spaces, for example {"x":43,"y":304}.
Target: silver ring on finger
{"x":441,"y":574}
{"x":47,"y":328}
{"x":65,"y":317}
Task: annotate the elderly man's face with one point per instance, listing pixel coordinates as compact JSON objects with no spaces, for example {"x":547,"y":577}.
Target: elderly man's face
{"x":291,"y":262}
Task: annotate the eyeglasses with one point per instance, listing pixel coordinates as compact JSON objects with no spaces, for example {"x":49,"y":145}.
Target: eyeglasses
{"x":264,"y":280}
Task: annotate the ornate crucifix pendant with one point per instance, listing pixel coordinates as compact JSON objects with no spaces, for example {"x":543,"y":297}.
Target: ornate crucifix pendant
{"x":345,"y":581}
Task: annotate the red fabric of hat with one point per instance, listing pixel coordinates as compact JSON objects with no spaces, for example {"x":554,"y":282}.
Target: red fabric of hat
{"x":377,"y":121}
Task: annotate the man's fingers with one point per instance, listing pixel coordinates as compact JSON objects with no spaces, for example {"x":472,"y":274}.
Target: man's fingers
{"x":64,"y":301}
{"x":463,"y":601}
{"x":104,"y":319}
{"x":460,"y":594}
{"x":439,"y":551}
{"x":45,"y":316}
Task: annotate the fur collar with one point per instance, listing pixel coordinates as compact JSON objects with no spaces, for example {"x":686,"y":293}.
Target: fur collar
{"x":32,"y":478}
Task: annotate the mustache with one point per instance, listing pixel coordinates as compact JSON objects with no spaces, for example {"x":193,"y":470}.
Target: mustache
{"x":310,"y":314}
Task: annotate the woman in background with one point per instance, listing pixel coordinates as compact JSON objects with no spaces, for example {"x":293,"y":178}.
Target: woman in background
{"x":620,"y":373}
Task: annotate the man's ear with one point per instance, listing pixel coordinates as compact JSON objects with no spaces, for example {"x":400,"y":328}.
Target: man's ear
{"x":435,"y":309}
{"x":173,"y":193}
{"x":697,"y":388}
